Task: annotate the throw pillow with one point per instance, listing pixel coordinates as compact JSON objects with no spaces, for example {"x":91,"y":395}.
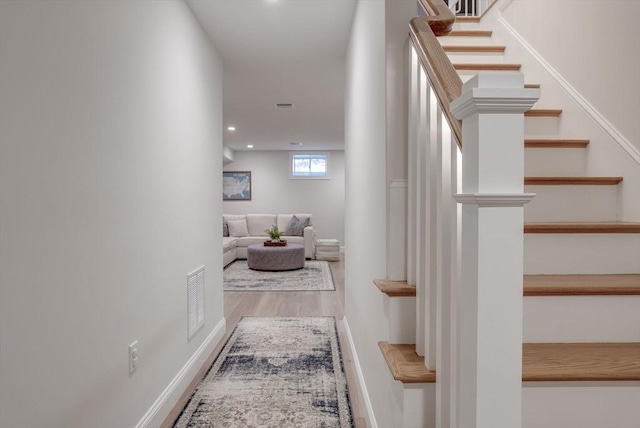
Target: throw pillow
{"x":296,"y":226}
{"x":225,"y":228}
{"x":238,"y":228}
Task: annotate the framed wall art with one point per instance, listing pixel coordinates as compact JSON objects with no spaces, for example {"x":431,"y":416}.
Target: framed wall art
{"x":236,"y":186}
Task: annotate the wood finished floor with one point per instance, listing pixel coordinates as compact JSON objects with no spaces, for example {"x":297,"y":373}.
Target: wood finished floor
{"x":294,"y":304}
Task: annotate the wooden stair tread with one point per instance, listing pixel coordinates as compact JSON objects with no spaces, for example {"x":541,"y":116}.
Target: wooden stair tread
{"x":532,"y":85}
{"x":582,"y":285}
{"x":470,"y":33}
{"x":493,"y":67}
{"x":468,"y":18}
{"x":584,"y":181}
{"x":395,"y":288}
{"x":476,"y":48}
{"x":405,"y":365}
{"x":541,"y":362}
{"x":557,"y":362}
{"x":543,"y":112}
{"x":557,"y":143}
{"x":583,"y":227}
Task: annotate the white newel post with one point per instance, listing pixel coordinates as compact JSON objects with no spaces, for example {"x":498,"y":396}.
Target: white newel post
{"x":489,"y":362}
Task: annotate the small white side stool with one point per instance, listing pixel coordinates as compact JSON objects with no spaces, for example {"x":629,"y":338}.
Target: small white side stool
{"x":328,"y":249}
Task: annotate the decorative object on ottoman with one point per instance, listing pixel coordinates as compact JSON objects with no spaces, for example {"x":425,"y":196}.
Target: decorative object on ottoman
{"x":290,"y":257}
{"x":281,"y":243}
{"x":275,"y":234}
{"x":328,"y":249}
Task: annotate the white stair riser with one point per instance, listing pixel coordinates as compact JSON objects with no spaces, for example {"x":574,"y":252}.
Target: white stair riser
{"x":574,"y":253}
{"x":416,"y":404}
{"x":542,"y":126}
{"x":571,"y":203}
{"x":576,"y":319}
{"x":476,"y":58}
{"x":581,"y":405}
{"x":401,"y":315}
{"x":466,"y":41}
{"x":460,"y":25}
{"x":555,"y":162}
{"x":468,"y":74}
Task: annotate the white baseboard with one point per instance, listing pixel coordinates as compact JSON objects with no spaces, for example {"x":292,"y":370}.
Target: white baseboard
{"x":371,"y":419}
{"x":172,"y":393}
{"x":591,"y":110}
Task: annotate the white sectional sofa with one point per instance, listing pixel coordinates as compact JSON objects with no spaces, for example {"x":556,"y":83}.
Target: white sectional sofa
{"x":235,"y":247}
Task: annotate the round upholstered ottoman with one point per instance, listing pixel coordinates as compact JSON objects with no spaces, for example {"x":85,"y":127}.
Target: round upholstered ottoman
{"x":289,"y":257}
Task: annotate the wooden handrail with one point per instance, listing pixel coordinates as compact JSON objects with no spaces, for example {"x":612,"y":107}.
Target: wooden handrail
{"x":442,"y":75}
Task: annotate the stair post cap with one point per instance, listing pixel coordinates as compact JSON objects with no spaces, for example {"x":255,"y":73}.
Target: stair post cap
{"x":494,"y":93}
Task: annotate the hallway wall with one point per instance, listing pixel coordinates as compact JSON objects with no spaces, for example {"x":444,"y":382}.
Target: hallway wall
{"x":597,"y":55}
{"x":365,"y":206}
{"x":273,"y":192}
{"x":111,"y":143}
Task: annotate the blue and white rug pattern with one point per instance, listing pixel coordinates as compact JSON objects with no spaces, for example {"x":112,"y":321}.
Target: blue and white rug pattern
{"x":314,"y":276}
{"x":274,"y":372}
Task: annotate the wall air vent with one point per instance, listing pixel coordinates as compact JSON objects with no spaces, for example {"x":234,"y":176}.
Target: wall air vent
{"x":195,"y":301}
{"x":284,"y":105}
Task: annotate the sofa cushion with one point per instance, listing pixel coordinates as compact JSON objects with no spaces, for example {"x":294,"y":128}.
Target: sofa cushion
{"x":257,"y":224}
{"x":225,"y":228}
{"x":284,"y":219}
{"x":229,"y":243}
{"x":234,"y":216}
{"x":238,"y":228}
{"x":296,"y":226}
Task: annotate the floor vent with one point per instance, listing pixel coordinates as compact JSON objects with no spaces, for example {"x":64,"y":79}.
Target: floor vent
{"x":195,"y":301}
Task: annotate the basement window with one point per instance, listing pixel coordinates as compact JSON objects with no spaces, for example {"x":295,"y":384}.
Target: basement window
{"x":307,"y":165}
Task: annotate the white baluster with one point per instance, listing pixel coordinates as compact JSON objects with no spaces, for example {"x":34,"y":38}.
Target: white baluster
{"x":422,"y":204}
{"x":414,"y":112}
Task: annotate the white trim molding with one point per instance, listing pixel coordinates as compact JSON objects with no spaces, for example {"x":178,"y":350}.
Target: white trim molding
{"x":628,"y":148}
{"x":494,"y":100}
{"x":371,"y":418}
{"x":169,"y":397}
{"x":494,"y":199}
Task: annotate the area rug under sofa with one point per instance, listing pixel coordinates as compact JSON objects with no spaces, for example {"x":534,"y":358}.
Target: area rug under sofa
{"x":314,"y":276}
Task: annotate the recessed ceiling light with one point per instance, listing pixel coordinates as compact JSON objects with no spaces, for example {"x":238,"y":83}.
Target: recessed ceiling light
{"x":296,"y":144}
{"x":250,"y":146}
{"x":231,"y":128}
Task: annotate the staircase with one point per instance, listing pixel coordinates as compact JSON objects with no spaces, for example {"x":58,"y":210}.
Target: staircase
{"x":581,"y":356}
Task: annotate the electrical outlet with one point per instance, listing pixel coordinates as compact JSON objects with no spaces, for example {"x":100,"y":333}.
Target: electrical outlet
{"x":133,"y":358}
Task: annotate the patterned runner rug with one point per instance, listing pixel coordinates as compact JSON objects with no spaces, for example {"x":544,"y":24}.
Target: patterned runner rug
{"x":274,"y":372}
{"x":314,"y":276}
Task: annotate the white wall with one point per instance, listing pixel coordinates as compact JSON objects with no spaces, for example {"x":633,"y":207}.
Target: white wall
{"x":273,"y":192}
{"x":594,"y":45}
{"x":111,"y":144}
{"x":365,"y":205}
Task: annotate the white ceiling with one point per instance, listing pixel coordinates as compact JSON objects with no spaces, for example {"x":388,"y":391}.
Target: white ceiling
{"x":281,"y":51}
